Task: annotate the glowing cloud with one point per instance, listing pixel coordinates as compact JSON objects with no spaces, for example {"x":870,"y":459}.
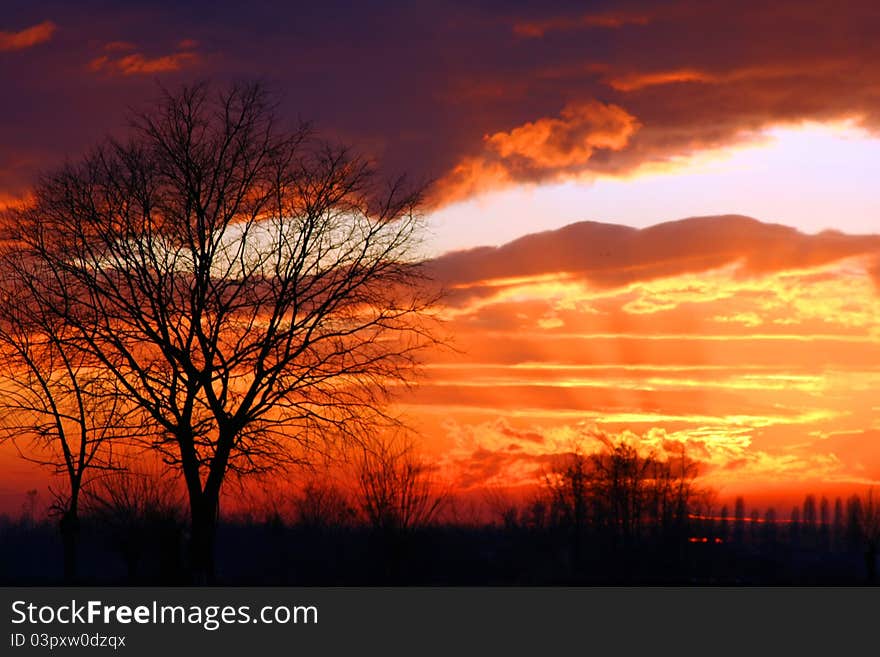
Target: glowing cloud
{"x":751,"y":345}
{"x":537,"y":29}
{"x":139,"y":64}
{"x":27,"y":38}
{"x":545,"y":149}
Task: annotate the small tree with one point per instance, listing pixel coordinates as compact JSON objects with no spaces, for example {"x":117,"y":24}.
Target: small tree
{"x":869,"y":521}
{"x":57,"y":407}
{"x":138,"y":510}
{"x":739,"y":520}
{"x":397,"y":491}
{"x":839,"y":528}
{"x":569,"y":486}
{"x":824,"y":524}
{"x":320,"y":504}
{"x":621,"y":488}
{"x":724,"y":524}
{"x":770,"y":528}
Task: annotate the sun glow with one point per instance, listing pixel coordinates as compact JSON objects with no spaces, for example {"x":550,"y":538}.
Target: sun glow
{"x":813,"y":176}
{"x":763,"y":370}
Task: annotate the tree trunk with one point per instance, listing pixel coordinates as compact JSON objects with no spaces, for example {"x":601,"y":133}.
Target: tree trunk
{"x":871,"y":563}
{"x":201,"y":544}
{"x":69,"y":528}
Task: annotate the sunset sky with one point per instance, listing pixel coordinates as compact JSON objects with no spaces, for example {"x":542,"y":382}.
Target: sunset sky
{"x":568,"y":144}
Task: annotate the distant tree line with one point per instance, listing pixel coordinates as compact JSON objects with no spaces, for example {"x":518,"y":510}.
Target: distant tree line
{"x":616,"y":515}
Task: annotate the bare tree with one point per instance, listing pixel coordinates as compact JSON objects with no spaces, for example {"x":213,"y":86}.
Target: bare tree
{"x":503,"y":507}
{"x":869,"y":521}
{"x":824,"y":524}
{"x":754,"y":527}
{"x":770,"y":528}
{"x":137,"y":510}
{"x":253,"y":290}
{"x":739,"y":520}
{"x":321,"y":504}
{"x":621,"y":496}
{"x":397,"y":491}
{"x":621,"y":487}
{"x":794,"y":527}
{"x":724,"y":524}
{"x":57,"y":409}
{"x":569,"y":487}
{"x":809,"y":524}
{"x":839,"y":528}
{"x":573,"y":504}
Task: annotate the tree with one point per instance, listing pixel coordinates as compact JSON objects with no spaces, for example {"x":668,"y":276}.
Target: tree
{"x":810,"y":519}
{"x":839,"y":530}
{"x":770,"y":533}
{"x":870,"y":530}
{"x":320,"y":504}
{"x":397,"y":492}
{"x":138,"y":511}
{"x":621,"y":497}
{"x":739,"y":520}
{"x":794,"y":527}
{"x":56,"y":407}
{"x":863,"y":529}
{"x":672,"y":492}
{"x":824,"y":524}
{"x":724,"y":524}
{"x":853,"y":523}
{"x":254,"y":291}
{"x":620,"y":487}
{"x":570,"y":486}
{"x":754,"y":526}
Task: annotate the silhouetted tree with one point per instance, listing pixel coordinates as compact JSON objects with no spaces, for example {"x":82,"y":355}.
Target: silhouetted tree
{"x":29,"y":508}
{"x":809,"y":520}
{"x":839,"y":529}
{"x":620,"y":488}
{"x":683,"y":471}
{"x":724,"y":524}
{"x":854,"y":523}
{"x":810,"y":516}
{"x":570,"y":486}
{"x":535,"y":515}
{"x":739,"y":520}
{"x":870,"y":530}
{"x":621,"y":497}
{"x":503,"y":507}
{"x":824,"y":524}
{"x":770,"y":533}
{"x":252,"y":290}
{"x":754,"y":527}
{"x":705,"y":504}
{"x":321,"y":505}
{"x":139,"y":511}
{"x":397,"y":490}
{"x":56,"y":406}
{"x":794,"y":527}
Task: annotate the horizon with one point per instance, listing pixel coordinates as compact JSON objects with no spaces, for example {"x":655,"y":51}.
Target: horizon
{"x":443,"y":441}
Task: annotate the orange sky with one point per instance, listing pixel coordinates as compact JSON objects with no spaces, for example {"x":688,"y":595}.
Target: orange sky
{"x":753,"y":343}
{"x":757,"y":346}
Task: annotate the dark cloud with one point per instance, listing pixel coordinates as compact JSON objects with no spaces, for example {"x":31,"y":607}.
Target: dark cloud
{"x":450,"y":90}
{"x":612,"y":255}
